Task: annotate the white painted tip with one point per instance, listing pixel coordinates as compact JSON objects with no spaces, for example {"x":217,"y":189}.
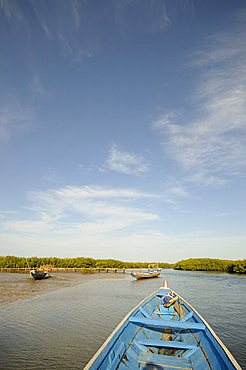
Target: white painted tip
{"x":165,"y":284}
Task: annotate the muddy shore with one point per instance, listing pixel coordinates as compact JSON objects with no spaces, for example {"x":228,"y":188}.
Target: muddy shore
{"x":15,"y":286}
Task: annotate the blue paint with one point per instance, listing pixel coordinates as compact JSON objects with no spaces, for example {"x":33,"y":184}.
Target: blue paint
{"x":178,"y":325}
{"x":187,"y":317}
{"x":171,"y":361}
{"x":184,"y":342}
{"x":164,"y":343}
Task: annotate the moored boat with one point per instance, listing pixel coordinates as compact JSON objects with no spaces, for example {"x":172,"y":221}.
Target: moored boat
{"x":39,"y":275}
{"x":163,"y":332}
{"x":146,"y":274}
{"x":152,"y":272}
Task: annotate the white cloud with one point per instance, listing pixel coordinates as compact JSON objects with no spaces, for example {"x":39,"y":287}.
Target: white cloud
{"x":125,"y":162}
{"x":145,"y":246}
{"x":90,"y":192}
{"x":27,"y":226}
{"x":89,"y":209}
{"x":174,"y":191}
{"x":212,"y":146}
{"x":6,"y":214}
{"x":99,"y":222}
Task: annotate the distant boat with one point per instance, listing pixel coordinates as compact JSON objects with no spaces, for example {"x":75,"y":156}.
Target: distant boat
{"x":163,"y":332}
{"x":146,"y":274}
{"x":39,"y":275}
{"x":153,"y":271}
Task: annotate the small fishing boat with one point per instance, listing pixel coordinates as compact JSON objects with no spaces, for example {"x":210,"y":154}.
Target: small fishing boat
{"x":146,"y":274}
{"x":153,"y":271}
{"x":163,"y":332}
{"x":39,"y":275}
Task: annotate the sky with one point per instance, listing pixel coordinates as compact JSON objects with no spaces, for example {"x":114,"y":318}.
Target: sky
{"x":122,"y":129}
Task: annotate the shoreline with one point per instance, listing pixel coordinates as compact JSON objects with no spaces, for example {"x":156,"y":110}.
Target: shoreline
{"x":16,"y":286}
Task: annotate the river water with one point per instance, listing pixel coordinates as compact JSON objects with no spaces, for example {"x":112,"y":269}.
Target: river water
{"x":62,"y":326}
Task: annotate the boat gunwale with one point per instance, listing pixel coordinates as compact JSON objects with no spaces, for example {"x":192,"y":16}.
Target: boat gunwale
{"x":219,"y":341}
{"x":124,"y":320}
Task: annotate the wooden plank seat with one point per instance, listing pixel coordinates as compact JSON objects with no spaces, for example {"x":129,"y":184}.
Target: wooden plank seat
{"x":154,"y":361}
{"x":165,"y":344}
{"x":178,"y":325}
{"x":146,"y":314}
{"x":187,"y":317}
{"x":167,"y":313}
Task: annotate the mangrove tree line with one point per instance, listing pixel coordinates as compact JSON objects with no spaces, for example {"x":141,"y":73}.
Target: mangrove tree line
{"x":192,"y":264}
{"x":78,"y":262}
{"x":210,"y":264}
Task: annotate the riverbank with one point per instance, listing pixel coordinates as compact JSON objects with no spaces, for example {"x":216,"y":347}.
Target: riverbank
{"x":84,"y":270}
{"x":16,"y":286}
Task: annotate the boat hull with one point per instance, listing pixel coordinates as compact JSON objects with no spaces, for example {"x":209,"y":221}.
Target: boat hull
{"x":147,"y":274}
{"x":152,"y":336}
{"x":38,"y":275}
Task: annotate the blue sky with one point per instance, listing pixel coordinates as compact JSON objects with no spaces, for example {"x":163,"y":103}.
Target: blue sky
{"x":122,"y":129}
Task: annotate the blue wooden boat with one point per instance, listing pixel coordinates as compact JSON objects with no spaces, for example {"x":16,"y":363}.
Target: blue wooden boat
{"x":160,"y":335}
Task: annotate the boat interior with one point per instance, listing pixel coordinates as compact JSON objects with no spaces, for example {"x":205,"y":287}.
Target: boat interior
{"x":156,"y":337}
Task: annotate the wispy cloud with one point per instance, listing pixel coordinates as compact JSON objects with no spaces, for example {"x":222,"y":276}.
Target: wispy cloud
{"x":143,"y":246}
{"x":87,"y":28}
{"x":47,"y":20}
{"x":82,"y":209}
{"x":14,"y":117}
{"x":176,"y":191}
{"x":154,"y":16}
{"x":212,"y":146}
{"x":76,"y":10}
{"x":100,"y":222}
{"x":125,"y":162}
{"x":98,"y":192}
{"x":12,"y":10}
{"x":6,"y":214}
{"x":38,"y":87}
{"x":27,"y":226}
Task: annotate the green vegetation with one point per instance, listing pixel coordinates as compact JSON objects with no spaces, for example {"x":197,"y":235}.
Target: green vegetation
{"x":87,"y":264}
{"x":209,"y":264}
{"x":87,"y":271}
{"x":78,"y":262}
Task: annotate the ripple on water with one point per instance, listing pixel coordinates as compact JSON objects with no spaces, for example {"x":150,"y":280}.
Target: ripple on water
{"x":62,"y":329}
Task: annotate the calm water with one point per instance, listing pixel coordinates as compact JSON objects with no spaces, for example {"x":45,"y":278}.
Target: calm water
{"x":62,"y":329}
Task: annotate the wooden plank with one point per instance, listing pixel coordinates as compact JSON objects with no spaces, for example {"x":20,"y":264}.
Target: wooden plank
{"x":165,"y":344}
{"x":166,"y":324}
{"x":145,"y":313}
{"x":166,"y":313}
{"x":187,"y":317}
{"x":164,"y":361}
{"x":177,"y":306}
